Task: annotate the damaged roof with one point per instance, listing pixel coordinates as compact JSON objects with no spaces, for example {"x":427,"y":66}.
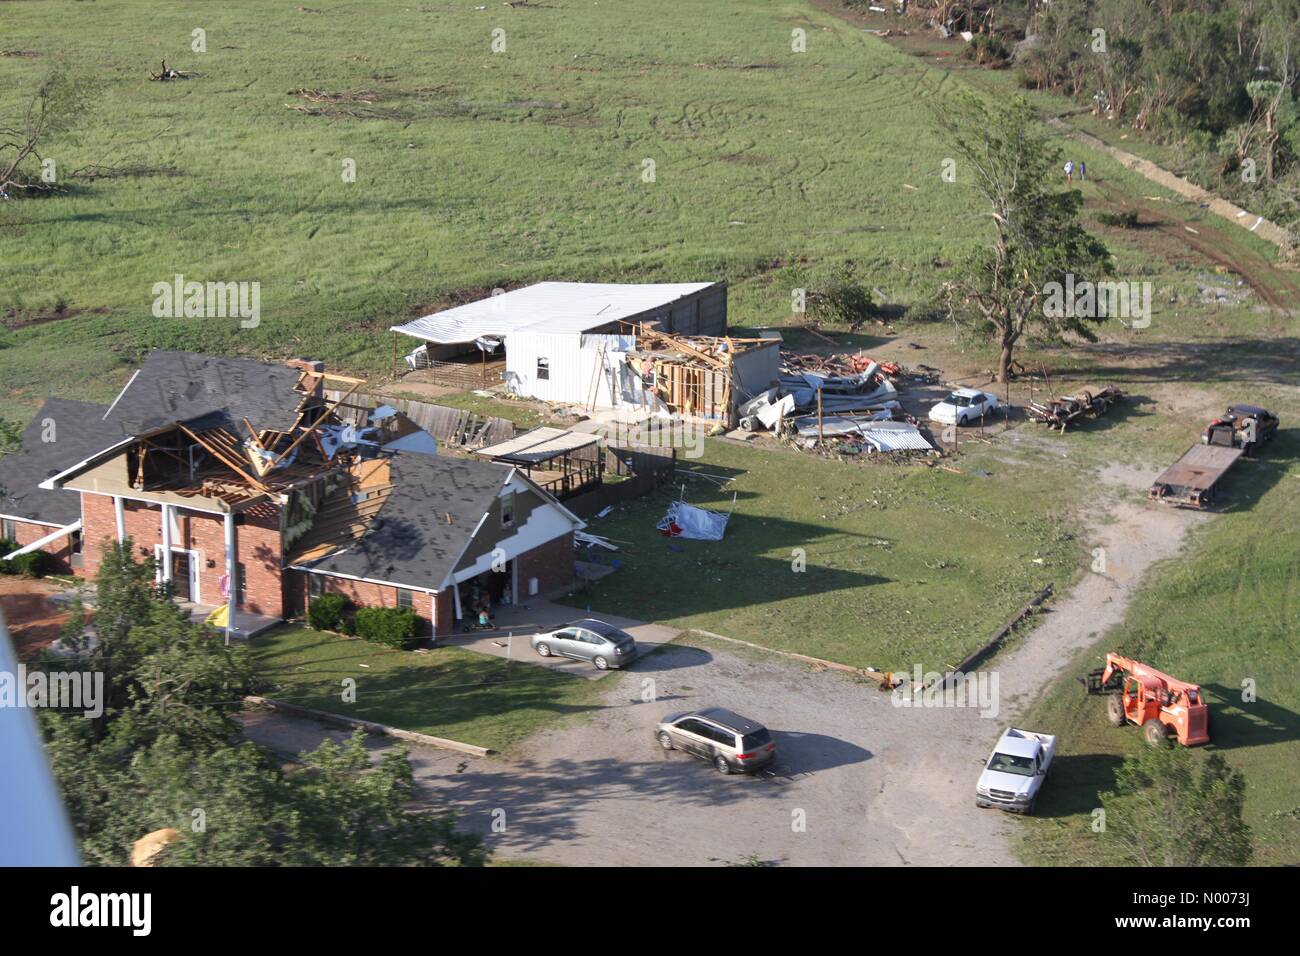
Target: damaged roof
{"x":76,"y":431}
{"x":206,"y":391}
{"x":426,"y":521}
{"x":548,"y":307}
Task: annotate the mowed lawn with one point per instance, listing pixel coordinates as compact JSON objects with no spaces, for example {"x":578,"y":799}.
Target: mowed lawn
{"x":903,"y":565}
{"x":1226,"y":617}
{"x":447,"y":692}
{"x":473,"y":169}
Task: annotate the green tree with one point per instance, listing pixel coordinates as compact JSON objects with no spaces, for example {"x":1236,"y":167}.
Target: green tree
{"x":1000,"y":291}
{"x":168,"y":753}
{"x":1171,"y":809}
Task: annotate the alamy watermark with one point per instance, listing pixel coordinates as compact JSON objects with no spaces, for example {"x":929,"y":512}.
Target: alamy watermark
{"x":977,"y":691}
{"x":1098,"y":300}
{"x":180,"y":299}
{"x":64,"y":690}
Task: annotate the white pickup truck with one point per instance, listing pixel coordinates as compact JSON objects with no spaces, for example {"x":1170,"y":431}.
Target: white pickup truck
{"x":1015,"y":771}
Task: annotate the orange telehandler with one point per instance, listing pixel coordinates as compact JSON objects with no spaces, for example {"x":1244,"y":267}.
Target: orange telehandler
{"x":1161,"y":705}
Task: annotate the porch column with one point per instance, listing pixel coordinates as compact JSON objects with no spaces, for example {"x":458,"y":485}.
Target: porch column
{"x":119,"y":512}
{"x":166,"y":544}
{"x":232,"y":570}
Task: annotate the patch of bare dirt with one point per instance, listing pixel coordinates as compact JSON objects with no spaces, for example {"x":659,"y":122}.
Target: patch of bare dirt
{"x":34,"y":620}
{"x":23,"y":319}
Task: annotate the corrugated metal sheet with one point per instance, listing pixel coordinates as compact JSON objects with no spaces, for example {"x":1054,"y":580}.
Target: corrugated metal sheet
{"x":540,"y":444}
{"x":548,"y":307}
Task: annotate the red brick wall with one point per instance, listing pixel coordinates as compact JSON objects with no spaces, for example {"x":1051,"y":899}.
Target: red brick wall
{"x":550,"y":563}
{"x":257,"y":537}
{"x":366,"y":594}
{"x":60,"y":549}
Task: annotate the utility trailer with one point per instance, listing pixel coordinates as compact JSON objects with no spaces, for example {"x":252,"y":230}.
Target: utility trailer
{"x":1191,"y":481}
{"x":1059,"y":412}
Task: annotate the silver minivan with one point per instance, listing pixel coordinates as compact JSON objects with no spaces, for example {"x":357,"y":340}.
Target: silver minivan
{"x":730,"y":742}
{"x":588,"y":640}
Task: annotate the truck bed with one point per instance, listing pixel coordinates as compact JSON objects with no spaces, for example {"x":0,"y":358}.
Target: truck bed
{"x":1192,"y":477}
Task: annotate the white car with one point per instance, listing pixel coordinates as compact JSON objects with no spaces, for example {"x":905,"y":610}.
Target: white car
{"x":963,"y":406}
{"x":1015,"y":771}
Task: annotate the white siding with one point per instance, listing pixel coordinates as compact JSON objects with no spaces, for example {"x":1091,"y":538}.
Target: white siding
{"x":575,"y":361}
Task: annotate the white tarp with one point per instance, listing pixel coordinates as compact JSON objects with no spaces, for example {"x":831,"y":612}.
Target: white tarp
{"x":699,"y":524}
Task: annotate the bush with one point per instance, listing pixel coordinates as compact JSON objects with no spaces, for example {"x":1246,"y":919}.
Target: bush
{"x":6,"y":545}
{"x":325,"y":613}
{"x":1128,"y":219}
{"x":390,"y":626}
{"x":33,"y":564}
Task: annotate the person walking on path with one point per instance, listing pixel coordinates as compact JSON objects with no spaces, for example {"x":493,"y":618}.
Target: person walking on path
{"x":1083,"y":171}
{"x":1069,"y":171}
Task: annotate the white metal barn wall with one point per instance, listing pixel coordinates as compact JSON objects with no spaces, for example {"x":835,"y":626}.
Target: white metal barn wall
{"x":573,"y":360}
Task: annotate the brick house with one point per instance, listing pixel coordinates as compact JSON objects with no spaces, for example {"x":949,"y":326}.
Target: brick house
{"x":230,"y":470}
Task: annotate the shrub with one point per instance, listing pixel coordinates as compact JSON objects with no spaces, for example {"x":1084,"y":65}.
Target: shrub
{"x":6,"y":545}
{"x":1128,"y":219}
{"x":33,"y":564}
{"x":390,"y":626}
{"x":325,"y":613}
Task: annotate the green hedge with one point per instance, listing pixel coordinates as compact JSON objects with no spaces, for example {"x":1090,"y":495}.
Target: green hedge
{"x":325,"y":613}
{"x":390,"y":626}
{"x":33,"y":564}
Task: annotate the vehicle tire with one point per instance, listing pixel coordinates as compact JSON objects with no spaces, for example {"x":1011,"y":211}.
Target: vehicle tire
{"x":720,"y":764}
{"x":666,"y":740}
{"x":961,"y":421}
{"x":1029,"y":810}
{"x":601,"y":663}
{"x":544,"y":650}
{"x":1155,"y":733}
{"x":1115,"y":711}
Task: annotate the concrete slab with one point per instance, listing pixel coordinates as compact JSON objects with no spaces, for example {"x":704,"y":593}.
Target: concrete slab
{"x":515,"y":625}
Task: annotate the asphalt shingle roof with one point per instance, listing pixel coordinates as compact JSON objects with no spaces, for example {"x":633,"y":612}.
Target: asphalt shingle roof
{"x":78,"y":431}
{"x":410,"y":540}
{"x":206,"y":391}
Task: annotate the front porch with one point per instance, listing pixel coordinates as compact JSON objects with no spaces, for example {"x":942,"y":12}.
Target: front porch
{"x":247,"y":624}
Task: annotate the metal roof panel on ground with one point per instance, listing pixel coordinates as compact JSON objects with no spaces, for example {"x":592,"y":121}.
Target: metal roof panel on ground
{"x":547,"y":307}
{"x":540,"y":444}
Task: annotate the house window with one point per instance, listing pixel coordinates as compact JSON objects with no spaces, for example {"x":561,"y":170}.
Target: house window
{"x":508,"y":509}
{"x":315,"y":585}
{"x":76,"y":542}
{"x":7,"y":531}
{"x":241,"y":580}
{"x":405,"y":598}
{"x":543,"y":369}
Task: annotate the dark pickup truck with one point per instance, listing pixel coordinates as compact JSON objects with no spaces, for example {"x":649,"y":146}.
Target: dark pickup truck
{"x":1242,"y":426}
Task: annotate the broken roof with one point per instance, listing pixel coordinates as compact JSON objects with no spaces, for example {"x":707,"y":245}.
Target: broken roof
{"x":426,"y":521}
{"x":75,"y":431}
{"x":205,"y":391}
{"x":548,"y":307}
{"x":538,"y":445}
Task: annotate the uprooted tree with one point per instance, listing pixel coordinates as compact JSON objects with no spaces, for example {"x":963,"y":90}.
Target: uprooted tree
{"x":1005,"y":290}
{"x":53,"y":109}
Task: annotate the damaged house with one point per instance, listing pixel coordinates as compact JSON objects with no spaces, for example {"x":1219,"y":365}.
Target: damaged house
{"x":248,"y":489}
{"x":598,"y":345}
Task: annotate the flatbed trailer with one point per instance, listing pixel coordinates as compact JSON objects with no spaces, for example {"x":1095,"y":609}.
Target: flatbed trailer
{"x":1192,"y":480}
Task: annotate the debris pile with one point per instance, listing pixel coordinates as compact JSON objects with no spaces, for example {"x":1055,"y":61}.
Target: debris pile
{"x":1059,"y":412}
{"x":849,"y":401}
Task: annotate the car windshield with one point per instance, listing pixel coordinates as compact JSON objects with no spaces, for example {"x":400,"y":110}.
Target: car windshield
{"x":961,"y":401}
{"x":1007,"y":763}
{"x":757,"y":739}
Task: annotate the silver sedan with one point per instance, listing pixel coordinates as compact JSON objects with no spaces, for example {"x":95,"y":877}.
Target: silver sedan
{"x":588,"y":640}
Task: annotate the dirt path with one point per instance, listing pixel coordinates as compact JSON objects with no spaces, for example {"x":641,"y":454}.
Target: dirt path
{"x":1275,"y":286}
{"x":1132,"y":535}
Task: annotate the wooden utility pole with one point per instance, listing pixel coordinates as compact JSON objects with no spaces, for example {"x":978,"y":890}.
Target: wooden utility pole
{"x":820,"y":436}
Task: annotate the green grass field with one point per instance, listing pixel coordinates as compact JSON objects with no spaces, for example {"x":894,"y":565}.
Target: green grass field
{"x":448,"y":692}
{"x":478,"y":168}
{"x":904,"y":565}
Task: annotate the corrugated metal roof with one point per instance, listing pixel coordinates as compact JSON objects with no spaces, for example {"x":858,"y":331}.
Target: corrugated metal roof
{"x":895,"y":436}
{"x":540,"y":444}
{"x":547,"y":307}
